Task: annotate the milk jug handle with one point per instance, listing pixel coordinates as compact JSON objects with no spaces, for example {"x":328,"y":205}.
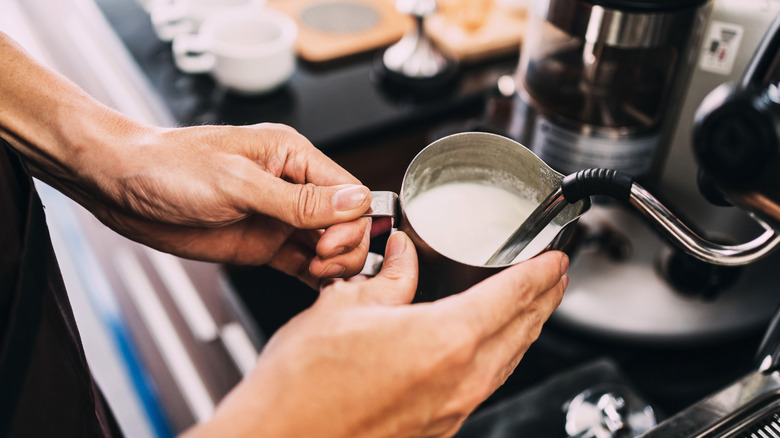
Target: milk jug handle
{"x":384,"y":204}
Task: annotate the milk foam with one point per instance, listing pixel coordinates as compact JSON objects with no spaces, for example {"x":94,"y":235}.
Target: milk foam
{"x":469,"y":221}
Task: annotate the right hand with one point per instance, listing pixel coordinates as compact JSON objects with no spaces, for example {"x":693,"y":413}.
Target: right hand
{"x":363,"y":362}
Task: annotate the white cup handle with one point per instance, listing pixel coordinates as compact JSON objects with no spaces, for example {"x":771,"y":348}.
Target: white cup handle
{"x":191,"y":54}
{"x":170,"y":20}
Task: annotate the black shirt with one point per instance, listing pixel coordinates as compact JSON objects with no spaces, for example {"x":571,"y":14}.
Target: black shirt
{"x":46,"y":389}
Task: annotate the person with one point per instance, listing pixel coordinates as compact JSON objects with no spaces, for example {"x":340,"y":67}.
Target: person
{"x":361,"y":361}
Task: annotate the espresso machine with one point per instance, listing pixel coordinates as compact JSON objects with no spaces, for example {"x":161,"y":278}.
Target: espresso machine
{"x":736,"y":141}
{"x":705,"y":139}
{"x":614,"y":84}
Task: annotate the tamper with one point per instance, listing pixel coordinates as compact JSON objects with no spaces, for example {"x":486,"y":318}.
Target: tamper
{"x":414,"y":61}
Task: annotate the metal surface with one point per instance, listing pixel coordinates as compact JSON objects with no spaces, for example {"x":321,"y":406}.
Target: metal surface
{"x":738,"y":411}
{"x":416,"y":8}
{"x":629,"y":298}
{"x":415,"y":56}
{"x":608,"y":411}
{"x":474,"y":157}
{"x":736,"y":138}
{"x":383,"y":204}
{"x":599,"y":25}
{"x":600,"y":87}
{"x":735,"y":30}
{"x":766,"y":427}
{"x":669,"y":225}
{"x":570,"y":146}
{"x":533,"y":225}
{"x":679,"y":233}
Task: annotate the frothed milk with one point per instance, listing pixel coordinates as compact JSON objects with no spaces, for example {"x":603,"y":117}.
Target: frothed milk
{"x":468,"y":221}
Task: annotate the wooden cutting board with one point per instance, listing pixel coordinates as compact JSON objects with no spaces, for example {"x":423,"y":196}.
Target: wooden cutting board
{"x":501,"y":33}
{"x":331,"y":29}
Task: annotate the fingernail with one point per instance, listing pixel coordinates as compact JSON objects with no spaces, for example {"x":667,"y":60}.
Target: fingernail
{"x":333,"y":271}
{"x":565,"y":281}
{"x":396,"y":245}
{"x":564,"y":264}
{"x":350,"y":197}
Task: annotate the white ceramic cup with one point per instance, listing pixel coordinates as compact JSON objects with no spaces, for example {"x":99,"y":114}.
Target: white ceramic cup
{"x":174,"y":17}
{"x":248,"y":50}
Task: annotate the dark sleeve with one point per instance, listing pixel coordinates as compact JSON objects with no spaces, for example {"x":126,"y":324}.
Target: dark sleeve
{"x":46,"y":388}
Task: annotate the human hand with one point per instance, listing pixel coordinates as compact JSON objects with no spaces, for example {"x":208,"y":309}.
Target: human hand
{"x":248,"y":195}
{"x":363,"y":362}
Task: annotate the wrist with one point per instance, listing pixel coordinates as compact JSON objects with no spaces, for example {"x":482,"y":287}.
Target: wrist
{"x":97,"y":146}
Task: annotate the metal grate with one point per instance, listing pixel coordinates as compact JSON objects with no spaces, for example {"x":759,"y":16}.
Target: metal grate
{"x":766,"y":426}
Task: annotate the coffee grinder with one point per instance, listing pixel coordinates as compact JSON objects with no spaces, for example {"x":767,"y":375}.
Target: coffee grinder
{"x":598,"y":80}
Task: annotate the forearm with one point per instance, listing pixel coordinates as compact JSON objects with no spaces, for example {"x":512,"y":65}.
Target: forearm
{"x":52,"y":122}
{"x":218,"y":193}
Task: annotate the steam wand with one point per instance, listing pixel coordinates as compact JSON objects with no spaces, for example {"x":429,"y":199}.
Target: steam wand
{"x":607,"y":182}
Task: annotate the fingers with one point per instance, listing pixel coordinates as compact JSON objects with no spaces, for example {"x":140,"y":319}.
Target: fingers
{"x":302,"y":163}
{"x":342,"y":249}
{"x":512,"y":341}
{"x":397,"y":281}
{"x":251,"y":241}
{"x":524,"y":330}
{"x":493,"y":303}
{"x":307,"y":206}
{"x":287,"y":178}
{"x":294,"y":258}
{"x":505,"y":313}
{"x":342,"y":238}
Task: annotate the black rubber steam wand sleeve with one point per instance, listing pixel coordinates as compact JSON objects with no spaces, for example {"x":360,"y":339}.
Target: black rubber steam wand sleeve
{"x":596,"y":182}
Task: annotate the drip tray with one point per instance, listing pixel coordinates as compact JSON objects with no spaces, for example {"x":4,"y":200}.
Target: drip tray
{"x":749,"y":408}
{"x":761,"y":420}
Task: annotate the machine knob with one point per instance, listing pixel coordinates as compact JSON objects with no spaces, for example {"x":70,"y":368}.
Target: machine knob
{"x":693,"y":277}
{"x":736,"y":133}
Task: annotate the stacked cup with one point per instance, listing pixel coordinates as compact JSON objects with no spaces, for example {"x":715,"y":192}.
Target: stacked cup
{"x":246,"y":47}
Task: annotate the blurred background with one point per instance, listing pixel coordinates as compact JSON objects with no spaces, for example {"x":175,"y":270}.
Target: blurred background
{"x":645,"y":332}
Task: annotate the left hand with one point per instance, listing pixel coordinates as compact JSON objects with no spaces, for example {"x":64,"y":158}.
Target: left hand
{"x":247,"y":195}
{"x":250,"y":195}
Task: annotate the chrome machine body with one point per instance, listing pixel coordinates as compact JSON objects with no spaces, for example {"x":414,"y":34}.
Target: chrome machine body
{"x":628,"y":283}
{"x":599,"y":81}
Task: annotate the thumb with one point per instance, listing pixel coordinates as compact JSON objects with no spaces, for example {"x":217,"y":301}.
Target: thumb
{"x":397,"y":281}
{"x":309,"y":206}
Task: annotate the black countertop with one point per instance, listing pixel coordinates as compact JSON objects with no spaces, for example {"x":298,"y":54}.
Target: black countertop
{"x":333,"y":104}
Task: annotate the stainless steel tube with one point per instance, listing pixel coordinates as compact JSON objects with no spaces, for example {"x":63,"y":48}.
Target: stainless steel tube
{"x":676,"y":231}
{"x":533,"y":225}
